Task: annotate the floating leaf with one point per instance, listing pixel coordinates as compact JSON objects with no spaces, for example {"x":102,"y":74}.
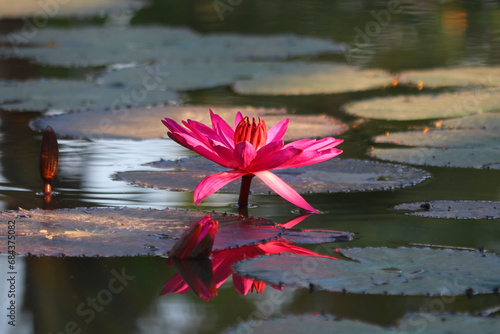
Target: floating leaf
{"x":334,"y":175}
{"x":439,"y":323}
{"x":307,"y":324}
{"x":470,"y":141}
{"x":393,"y":271}
{"x":141,"y":123}
{"x":315,"y":236}
{"x":435,"y":323}
{"x":453,"y":209}
{"x":95,"y":46}
{"x":455,"y":76}
{"x":489,"y":121}
{"x":122,"y":231}
{"x":443,"y":138}
{"x":65,"y":95}
{"x":130,"y":232}
{"x":426,"y":106}
{"x":298,"y":78}
{"x":79,"y":8}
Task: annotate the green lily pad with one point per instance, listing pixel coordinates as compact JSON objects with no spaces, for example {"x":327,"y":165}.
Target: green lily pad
{"x":453,"y":209}
{"x":142,"y":123}
{"x":66,"y":95}
{"x":334,"y":175}
{"x":393,"y":271}
{"x":455,"y":76}
{"x":426,"y":106}
{"x":94,"y":46}
{"x":298,"y":78}
{"x":131,"y":232}
{"x":429,"y":323}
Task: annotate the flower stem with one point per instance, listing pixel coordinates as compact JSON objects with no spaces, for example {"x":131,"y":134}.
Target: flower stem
{"x":246,"y":181}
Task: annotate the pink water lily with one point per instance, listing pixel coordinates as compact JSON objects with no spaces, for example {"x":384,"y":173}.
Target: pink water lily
{"x":248,"y":149}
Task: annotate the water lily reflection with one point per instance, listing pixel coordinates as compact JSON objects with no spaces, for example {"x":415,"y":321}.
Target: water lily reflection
{"x":204,"y":276}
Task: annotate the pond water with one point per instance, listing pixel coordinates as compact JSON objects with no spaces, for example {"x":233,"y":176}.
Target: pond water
{"x":64,"y":295}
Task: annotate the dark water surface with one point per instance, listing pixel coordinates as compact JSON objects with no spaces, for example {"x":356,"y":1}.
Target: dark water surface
{"x":65,"y":294}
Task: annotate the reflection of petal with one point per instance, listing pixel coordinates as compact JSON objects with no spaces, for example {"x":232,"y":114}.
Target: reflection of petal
{"x":198,"y":275}
{"x":205,"y":277}
{"x":295,"y":221}
{"x":197,"y":241}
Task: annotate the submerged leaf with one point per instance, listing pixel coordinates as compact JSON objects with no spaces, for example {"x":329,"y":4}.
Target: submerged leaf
{"x":393,"y":271}
{"x":334,"y":175}
{"x":453,"y":209}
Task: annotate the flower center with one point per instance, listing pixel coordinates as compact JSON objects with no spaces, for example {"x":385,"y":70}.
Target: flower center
{"x":255,"y":134}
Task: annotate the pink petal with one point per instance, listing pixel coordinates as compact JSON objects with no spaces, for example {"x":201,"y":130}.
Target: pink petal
{"x":284,"y":190}
{"x":237,"y":119}
{"x":274,"y":159}
{"x":225,"y":153}
{"x":223,"y":130}
{"x":200,"y":148}
{"x":244,"y":154}
{"x":310,"y":158}
{"x":277,"y":131}
{"x":214,"y":182}
{"x":269,"y":148}
{"x":316,"y":145}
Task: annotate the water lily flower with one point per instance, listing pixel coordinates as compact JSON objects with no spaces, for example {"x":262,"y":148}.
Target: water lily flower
{"x":197,"y":241}
{"x":249,"y":149}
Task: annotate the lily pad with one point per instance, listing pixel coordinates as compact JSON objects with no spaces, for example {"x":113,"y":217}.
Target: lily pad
{"x":122,"y":231}
{"x":426,"y":106}
{"x":66,"y":95}
{"x":456,"y":76}
{"x":453,"y":209}
{"x":488,"y":158}
{"x":297,"y":78}
{"x":429,"y":323}
{"x":334,"y":175}
{"x":131,"y":232}
{"x":438,"y":323}
{"x":308,"y":323}
{"x":461,"y":142}
{"x":443,"y":138}
{"x":489,"y":121}
{"x":23,"y":9}
{"x":94,"y":46}
{"x":393,"y":271}
{"x":142,"y":123}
